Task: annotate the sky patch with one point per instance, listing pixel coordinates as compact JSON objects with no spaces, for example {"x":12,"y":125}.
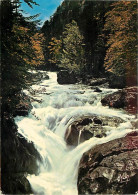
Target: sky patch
{"x":46,"y":9}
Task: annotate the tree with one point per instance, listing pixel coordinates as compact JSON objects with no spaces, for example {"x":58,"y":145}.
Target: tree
{"x":17,"y":53}
{"x":121,"y":23}
{"x":55,"y":50}
{"x":37,"y":44}
{"x":90,"y":19}
{"x":72,"y":57}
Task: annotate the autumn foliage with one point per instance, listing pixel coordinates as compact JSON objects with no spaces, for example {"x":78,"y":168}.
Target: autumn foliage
{"x":21,"y":49}
{"x":121,"y":23}
{"x":29,"y":48}
{"x":37,"y":44}
{"x":54,"y":50}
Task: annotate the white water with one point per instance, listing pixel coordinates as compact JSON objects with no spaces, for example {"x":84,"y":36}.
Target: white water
{"x":46,"y":126}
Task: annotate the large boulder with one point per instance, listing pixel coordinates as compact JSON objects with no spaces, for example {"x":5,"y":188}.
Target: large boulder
{"x":85,"y":128}
{"x":66,"y":77}
{"x":125,"y":98}
{"x":110,"y":168}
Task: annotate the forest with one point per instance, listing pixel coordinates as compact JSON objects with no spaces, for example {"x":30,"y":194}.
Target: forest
{"x":104,"y":35}
{"x":87,"y":38}
{"x":81,"y":36}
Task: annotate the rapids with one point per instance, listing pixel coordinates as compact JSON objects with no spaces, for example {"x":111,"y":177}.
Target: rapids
{"x":46,"y":125}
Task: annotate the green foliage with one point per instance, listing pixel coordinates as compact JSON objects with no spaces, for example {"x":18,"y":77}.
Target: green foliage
{"x":121,"y":23}
{"x":72,"y":57}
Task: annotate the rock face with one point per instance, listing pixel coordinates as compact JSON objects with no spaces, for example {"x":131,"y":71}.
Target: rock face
{"x":19,"y":158}
{"x":117,"y":81}
{"x":125,"y":98}
{"x":110,"y":168}
{"x":24,"y":106}
{"x":86,"y":127}
{"x":66,"y":77}
{"x":16,"y":183}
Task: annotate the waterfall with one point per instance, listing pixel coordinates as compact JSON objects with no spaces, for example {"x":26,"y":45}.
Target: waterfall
{"x":79,"y":137}
{"x":46,"y":126}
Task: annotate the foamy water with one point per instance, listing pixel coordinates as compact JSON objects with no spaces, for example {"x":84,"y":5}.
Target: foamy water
{"x":46,"y":125}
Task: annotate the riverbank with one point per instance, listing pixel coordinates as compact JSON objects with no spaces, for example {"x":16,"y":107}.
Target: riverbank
{"x":19,"y":157}
{"x":107,"y":80}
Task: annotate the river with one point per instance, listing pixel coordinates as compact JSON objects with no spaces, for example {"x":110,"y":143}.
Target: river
{"x":46,"y":125}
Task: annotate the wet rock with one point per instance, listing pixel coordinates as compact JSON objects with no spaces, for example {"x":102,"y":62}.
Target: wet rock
{"x":36,"y":77}
{"x":125,"y":98}
{"x":87,"y":127}
{"x":110,"y":168}
{"x":66,"y":77}
{"x":115,"y":100}
{"x":97,"y":81}
{"x":135,"y":124}
{"x":85,"y":121}
{"x":24,"y":106}
{"x":17,"y":183}
{"x":18,"y":158}
{"x":97,"y":90}
{"x":97,"y":121}
{"x":40,"y":90}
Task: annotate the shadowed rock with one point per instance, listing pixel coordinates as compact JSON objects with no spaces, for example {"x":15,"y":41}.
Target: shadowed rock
{"x":19,"y":158}
{"x":126,"y":98}
{"x":66,"y":77}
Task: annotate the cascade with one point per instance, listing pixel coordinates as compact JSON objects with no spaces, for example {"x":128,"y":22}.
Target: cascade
{"x":79,"y":137}
{"x":46,"y":126}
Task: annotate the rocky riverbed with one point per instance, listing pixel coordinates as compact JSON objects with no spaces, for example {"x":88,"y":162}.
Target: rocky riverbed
{"x":68,"y":124}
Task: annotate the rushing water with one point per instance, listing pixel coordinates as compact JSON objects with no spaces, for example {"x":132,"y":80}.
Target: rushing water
{"x":46,"y":125}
